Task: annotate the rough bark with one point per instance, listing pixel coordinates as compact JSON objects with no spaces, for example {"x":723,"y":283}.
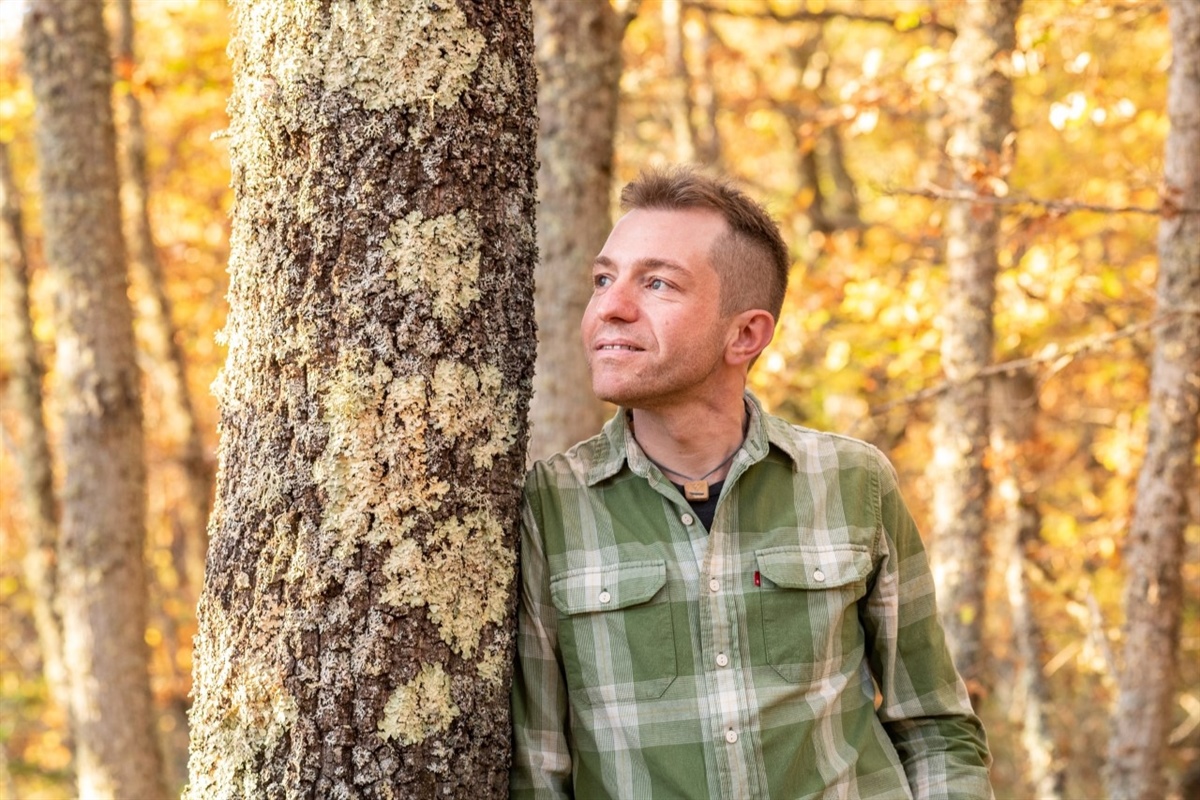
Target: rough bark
{"x":355,"y":629}
{"x":102,"y":575}
{"x":1167,"y":478}
{"x":980,"y":102}
{"x":579,"y":71}
{"x":24,"y":377}
{"x":165,"y":366}
{"x":1014,"y":407}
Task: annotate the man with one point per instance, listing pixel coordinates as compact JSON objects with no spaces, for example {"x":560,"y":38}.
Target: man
{"x":711,"y":597}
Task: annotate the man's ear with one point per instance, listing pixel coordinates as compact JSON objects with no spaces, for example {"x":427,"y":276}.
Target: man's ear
{"x":751,"y":332}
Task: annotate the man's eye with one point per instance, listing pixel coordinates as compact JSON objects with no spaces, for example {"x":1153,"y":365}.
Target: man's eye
{"x":600,"y":281}
{"x":657,"y":283}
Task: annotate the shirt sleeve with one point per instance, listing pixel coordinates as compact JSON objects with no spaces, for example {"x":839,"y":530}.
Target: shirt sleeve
{"x":925,"y":708}
{"x":541,"y":757}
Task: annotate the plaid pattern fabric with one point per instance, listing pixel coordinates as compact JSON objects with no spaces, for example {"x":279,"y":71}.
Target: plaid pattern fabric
{"x":660,"y":660}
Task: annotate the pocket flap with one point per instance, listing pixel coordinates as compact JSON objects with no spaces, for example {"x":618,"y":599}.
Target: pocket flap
{"x":589,"y":589}
{"x":806,"y":568}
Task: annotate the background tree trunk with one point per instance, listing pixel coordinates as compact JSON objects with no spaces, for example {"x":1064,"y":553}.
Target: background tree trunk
{"x":1167,"y":480}
{"x":102,"y":575}
{"x":579,"y":69}
{"x":356,"y":622}
{"x":1014,"y":407}
{"x":24,"y":395}
{"x":980,"y":102}
{"x":707,"y":138}
{"x":678,"y":83}
{"x":165,"y":365}
{"x":165,"y":368}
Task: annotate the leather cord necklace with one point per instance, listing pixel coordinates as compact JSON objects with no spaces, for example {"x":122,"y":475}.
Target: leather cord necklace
{"x":696,"y":488}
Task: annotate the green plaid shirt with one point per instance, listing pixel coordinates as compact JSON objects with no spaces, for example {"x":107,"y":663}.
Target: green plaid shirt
{"x":660,"y":660}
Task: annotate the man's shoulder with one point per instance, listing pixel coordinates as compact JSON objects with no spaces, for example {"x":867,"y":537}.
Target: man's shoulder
{"x":802,"y":443}
{"x":572,"y":466}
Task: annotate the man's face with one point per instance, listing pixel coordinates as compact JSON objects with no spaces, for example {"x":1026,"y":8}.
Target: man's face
{"x":653,"y":330}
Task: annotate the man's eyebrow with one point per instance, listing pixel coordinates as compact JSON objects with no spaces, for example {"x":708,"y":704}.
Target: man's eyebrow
{"x":644,"y":263}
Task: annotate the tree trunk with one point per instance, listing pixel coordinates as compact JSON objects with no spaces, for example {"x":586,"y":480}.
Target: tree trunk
{"x":678,"y":83}
{"x":579,"y":69}
{"x":166,"y":365}
{"x":102,"y":575}
{"x":844,"y":200}
{"x":1014,"y":407}
{"x":33,"y":464}
{"x":805,"y":133}
{"x":356,"y":625}
{"x":1155,"y":547}
{"x":707,"y":137}
{"x":980,"y":102}
{"x":166,"y":371}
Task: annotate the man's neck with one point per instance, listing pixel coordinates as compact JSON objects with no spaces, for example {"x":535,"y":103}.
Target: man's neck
{"x":690,"y":440}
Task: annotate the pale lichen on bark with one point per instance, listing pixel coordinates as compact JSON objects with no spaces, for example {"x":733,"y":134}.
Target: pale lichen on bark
{"x":378,"y":487}
{"x":420,"y":708}
{"x":455,"y":576}
{"x":259,"y":714}
{"x":466,"y":402}
{"x":430,"y":57}
{"x":439,"y":255}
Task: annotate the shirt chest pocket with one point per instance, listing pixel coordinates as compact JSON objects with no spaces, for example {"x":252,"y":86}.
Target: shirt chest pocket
{"x":807,"y":608}
{"x":615,"y":631}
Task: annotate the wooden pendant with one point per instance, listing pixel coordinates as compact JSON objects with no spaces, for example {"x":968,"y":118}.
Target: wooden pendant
{"x":695,"y":490}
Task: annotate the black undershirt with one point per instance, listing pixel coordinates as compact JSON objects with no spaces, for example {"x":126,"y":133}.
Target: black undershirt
{"x":705,"y":509}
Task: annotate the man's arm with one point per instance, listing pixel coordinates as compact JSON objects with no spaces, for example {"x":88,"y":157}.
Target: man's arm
{"x":541,"y":758}
{"x":926,"y":710}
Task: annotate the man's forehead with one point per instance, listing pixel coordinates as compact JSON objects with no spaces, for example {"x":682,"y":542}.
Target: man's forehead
{"x":670,"y":232}
{"x":700,"y":216}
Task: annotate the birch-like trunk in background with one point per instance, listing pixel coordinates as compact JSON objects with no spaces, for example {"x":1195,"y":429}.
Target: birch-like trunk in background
{"x":1167,"y":482}
{"x":165,"y":365}
{"x":979,"y":100}
{"x":579,"y":72}
{"x":24,"y":397}
{"x":101,"y":564}
{"x":1015,"y":411}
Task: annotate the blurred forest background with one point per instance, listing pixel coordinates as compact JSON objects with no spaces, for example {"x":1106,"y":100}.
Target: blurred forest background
{"x":830,"y":112}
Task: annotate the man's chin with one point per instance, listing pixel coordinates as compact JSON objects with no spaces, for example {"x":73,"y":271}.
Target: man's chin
{"x":627,"y":397}
{"x":617,"y":395}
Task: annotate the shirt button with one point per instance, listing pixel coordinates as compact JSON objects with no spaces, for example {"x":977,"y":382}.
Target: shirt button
{"x":714,"y":585}
{"x":687,"y":519}
{"x":722,"y":660}
{"x":605,"y":597}
{"x":731,"y":736}
{"x":819,"y":575}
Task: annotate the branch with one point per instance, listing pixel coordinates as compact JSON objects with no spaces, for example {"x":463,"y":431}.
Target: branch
{"x":626,"y":12}
{"x":824,"y":16}
{"x":1053,"y":206}
{"x":1058,"y":358}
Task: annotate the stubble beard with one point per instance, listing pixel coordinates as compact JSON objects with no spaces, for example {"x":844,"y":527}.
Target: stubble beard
{"x":661,"y":389}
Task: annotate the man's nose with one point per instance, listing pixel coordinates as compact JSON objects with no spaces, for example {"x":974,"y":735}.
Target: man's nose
{"x":616,"y":301}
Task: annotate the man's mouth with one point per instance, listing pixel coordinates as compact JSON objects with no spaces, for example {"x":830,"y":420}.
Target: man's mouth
{"x":628,"y":347}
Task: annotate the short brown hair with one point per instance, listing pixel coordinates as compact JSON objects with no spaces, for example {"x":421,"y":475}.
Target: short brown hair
{"x":752,"y":259}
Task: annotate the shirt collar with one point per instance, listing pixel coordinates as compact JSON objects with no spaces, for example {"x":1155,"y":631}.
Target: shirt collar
{"x":617,"y":447}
